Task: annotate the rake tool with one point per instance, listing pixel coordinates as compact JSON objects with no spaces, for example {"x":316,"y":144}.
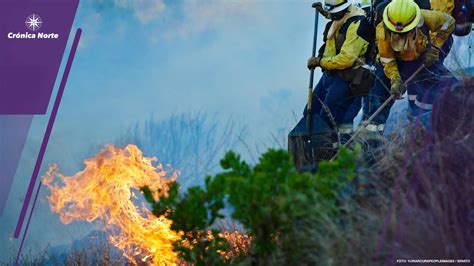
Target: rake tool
{"x":377,"y":112}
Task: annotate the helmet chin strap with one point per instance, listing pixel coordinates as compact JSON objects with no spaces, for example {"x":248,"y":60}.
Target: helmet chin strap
{"x":338,"y":15}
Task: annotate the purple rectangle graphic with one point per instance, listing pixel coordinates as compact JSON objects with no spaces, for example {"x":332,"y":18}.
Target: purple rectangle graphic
{"x":13,"y":133}
{"x":33,"y":36}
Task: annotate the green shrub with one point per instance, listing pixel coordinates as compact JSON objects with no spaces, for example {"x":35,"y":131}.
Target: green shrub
{"x":270,"y":200}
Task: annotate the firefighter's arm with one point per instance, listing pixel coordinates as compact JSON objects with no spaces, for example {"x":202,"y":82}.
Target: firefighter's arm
{"x":352,"y":48}
{"x":446,"y":6}
{"x":388,"y":58}
{"x":440,"y":23}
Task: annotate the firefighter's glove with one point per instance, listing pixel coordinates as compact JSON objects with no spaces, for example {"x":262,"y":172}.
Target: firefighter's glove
{"x":397,"y":87}
{"x":432,"y":56}
{"x":313,"y":62}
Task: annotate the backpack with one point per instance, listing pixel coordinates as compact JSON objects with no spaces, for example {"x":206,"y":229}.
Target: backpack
{"x":359,"y":78}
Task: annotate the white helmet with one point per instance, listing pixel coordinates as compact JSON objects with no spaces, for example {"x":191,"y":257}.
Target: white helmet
{"x":334,"y":6}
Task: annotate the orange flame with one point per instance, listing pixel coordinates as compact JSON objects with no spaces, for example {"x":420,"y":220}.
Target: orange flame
{"x":103,"y":192}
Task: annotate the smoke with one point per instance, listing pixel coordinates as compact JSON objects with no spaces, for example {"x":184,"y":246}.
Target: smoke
{"x":178,"y":18}
{"x":143,"y":10}
{"x":202,"y":15}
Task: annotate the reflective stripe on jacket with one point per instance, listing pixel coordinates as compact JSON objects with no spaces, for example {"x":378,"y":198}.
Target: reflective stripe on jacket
{"x":354,"y":46}
{"x":435,"y":21}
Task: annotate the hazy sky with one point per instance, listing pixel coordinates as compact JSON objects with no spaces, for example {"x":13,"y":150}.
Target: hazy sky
{"x":245,"y":58}
{"x":138,"y":58}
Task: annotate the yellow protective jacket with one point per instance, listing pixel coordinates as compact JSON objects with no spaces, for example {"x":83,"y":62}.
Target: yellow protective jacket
{"x":446,"y":6}
{"x":354,"y":46}
{"x":435,"y":21}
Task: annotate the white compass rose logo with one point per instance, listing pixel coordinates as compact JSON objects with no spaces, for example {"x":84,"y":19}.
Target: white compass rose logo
{"x":33,"y":22}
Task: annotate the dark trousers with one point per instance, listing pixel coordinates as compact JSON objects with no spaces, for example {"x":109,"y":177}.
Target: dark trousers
{"x":378,"y":95}
{"x":336,"y":95}
{"x":421,"y":91}
{"x":426,"y":86}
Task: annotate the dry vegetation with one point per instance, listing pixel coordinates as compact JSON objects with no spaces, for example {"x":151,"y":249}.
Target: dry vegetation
{"x":411,"y":199}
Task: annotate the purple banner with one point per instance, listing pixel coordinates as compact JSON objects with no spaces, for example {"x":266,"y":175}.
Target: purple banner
{"x":33,"y":36}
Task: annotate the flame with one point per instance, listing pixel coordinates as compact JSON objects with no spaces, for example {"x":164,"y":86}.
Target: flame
{"x":104,"y":192}
{"x":239,"y":244}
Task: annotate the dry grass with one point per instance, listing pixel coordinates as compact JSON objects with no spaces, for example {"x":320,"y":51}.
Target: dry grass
{"x":414,"y":202}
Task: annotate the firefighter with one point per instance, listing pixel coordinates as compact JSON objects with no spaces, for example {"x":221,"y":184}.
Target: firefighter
{"x":404,"y":45}
{"x":446,"y":6}
{"x":380,"y":93}
{"x":381,"y":89}
{"x":369,"y":36}
{"x":338,"y":59}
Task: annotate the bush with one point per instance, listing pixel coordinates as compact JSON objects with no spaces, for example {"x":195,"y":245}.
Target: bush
{"x":272,"y":201}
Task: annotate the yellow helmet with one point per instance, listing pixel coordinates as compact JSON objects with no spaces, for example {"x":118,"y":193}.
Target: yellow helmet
{"x":401,"y":15}
{"x":334,"y":6}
